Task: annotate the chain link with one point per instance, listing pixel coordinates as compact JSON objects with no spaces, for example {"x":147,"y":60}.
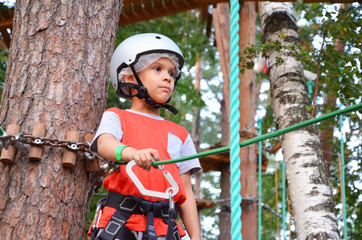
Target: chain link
{"x":84,"y":147}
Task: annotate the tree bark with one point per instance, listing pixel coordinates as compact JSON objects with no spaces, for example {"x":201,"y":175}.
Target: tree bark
{"x":221,"y":20}
{"x":249,"y":93}
{"x":57,"y":74}
{"x":309,"y":190}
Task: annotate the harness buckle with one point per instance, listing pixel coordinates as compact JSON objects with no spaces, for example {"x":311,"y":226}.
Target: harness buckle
{"x":126,"y":204}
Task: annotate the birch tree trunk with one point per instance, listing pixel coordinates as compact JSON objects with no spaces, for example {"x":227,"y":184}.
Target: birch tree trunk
{"x":57,"y":74}
{"x":309,"y":190}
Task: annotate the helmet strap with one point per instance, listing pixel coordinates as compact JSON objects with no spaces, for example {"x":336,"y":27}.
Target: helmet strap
{"x":143,"y":94}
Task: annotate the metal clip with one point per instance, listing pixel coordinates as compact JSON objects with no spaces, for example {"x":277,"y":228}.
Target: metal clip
{"x":108,"y":168}
{"x":89,"y":155}
{"x":171,"y":203}
{"x":173,"y":190}
{"x":98,"y":213}
{"x":17,"y":136}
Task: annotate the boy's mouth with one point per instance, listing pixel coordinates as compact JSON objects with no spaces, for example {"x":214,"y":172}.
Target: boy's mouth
{"x":165,"y":88}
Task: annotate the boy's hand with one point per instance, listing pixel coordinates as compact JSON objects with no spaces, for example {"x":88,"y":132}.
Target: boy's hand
{"x":145,"y":157}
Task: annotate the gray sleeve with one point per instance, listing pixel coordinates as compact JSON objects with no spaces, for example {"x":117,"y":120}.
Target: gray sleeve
{"x":110,"y":124}
{"x":192,"y":165}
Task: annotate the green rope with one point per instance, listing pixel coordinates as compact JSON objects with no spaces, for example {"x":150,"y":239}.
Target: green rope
{"x":264,"y":137}
{"x":283,"y":203}
{"x":342,"y":162}
{"x":343,"y":179}
{"x":235,"y":174}
{"x":260,"y":122}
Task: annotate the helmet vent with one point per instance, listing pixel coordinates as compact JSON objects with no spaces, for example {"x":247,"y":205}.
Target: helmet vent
{"x":158,"y":37}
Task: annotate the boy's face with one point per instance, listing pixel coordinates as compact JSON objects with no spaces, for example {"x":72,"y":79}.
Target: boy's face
{"x":159,"y":80}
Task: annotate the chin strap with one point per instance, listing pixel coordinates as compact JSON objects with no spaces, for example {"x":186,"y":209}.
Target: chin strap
{"x":143,"y":94}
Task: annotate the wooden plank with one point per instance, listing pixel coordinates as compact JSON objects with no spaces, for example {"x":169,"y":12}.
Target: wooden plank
{"x":127,"y":8}
{"x":6,"y":23}
{"x":138,"y":7}
{"x":6,"y":37}
{"x":159,"y":11}
{"x":3,"y":44}
{"x":157,"y":4}
{"x":148,"y":4}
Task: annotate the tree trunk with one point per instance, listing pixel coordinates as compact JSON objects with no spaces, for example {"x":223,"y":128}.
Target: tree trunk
{"x":221,"y":20}
{"x":249,"y":93}
{"x":195,"y":135}
{"x":310,"y":194}
{"x":57,"y":74}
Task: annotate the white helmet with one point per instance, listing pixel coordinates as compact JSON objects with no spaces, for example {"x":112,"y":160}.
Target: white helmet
{"x":128,"y":53}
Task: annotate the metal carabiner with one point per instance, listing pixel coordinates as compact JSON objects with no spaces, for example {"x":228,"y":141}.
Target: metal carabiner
{"x":171,"y":203}
{"x":173,"y":190}
{"x":98,"y":213}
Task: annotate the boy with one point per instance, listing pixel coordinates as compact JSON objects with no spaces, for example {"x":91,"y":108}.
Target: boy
{"x":145,"y":68}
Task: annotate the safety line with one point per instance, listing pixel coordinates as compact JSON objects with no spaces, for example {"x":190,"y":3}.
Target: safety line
{"x":260,"y":122}
{"x":264,"y":137}
{"x":235,"y":173}
{"x":283,"y":202}
{"x":343,"y":179}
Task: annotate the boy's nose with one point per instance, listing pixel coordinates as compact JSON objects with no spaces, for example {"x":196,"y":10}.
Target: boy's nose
{"x":167,"y":77}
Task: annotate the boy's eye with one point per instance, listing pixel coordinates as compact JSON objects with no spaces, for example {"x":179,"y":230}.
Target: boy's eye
{"x":157,"y":69}
{"x":172,"y":74}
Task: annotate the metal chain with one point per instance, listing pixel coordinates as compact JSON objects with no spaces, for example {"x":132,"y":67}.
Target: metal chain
{"x":84,"y":147}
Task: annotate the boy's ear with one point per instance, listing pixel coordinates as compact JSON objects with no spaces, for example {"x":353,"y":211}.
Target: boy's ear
{"x":129,"y":79}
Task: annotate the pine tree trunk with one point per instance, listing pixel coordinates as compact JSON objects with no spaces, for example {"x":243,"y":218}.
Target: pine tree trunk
{"x":57,"y":74}
{"x":249,"y":92}
{"x":309,"y":190}
{"x":221,"y":20}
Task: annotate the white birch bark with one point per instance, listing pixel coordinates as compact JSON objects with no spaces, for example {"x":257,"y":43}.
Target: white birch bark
{"x":308,"y":186}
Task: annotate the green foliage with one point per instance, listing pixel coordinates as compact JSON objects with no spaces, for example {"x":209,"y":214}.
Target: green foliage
{"x":3,"y":64}
{"x":3,"y":58}
{"x":353,"y":176}
{"x":339,"y":72}
{"x":339,"y":76}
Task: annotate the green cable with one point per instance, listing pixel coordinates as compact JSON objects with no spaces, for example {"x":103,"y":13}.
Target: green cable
{"x":260,"y":122}
{"x":343,"y":179}
{"x":342,"y":163}
{"x":283,"y":204}
{"x":264,"y":137}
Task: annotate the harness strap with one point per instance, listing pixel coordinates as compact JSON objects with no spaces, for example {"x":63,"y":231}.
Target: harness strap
{"x":126,"y":205}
